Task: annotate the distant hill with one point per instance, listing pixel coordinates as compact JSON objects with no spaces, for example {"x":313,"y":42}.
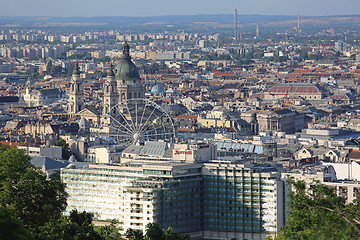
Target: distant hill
{"x":220,"y":18}
{"x":209,"y":22}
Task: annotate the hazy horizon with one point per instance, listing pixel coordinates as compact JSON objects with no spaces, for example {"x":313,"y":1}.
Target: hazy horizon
{"x":168,"y":15}
{"x":142,"y":8}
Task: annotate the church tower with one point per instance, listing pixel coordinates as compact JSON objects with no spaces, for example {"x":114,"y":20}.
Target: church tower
{"x":76,"y":94}
{"x":128,"y":78}
{"x":111,"y":97}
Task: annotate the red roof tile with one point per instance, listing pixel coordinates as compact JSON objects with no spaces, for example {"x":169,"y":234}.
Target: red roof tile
{"x":294,"y":90}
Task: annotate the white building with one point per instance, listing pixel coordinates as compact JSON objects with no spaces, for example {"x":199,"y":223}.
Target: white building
{"x":54,"y":152}
{"x":35,"y":98}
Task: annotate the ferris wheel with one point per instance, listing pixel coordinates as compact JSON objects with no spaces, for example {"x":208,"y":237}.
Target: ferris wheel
{"x":138,"y":120}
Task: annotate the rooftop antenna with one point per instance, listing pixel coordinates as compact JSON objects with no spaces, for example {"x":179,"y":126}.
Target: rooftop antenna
{"x":235,"y":26}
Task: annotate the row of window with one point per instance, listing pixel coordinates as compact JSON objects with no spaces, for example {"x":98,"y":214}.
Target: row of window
{"x":225,"y":227}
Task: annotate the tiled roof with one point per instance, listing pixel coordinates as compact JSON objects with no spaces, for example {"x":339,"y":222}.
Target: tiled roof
{"x":354,"y":154}
{"x":11,"y":144}
{"x":338,"y":97}
{"x":294,"y":90}
{"x":41,"y":161}
{"x":257,"y":95}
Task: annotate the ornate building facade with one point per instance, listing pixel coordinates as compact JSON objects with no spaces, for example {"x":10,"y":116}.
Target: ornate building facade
{"x":122,"y":83}
{"x":128,"y":79}
{"x":76,"y":94}
{"x":111,"y":96}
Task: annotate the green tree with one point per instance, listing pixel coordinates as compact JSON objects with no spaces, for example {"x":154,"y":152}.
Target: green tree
{"x":171,"y":235}
{"x":66,"y":152}
{"x":132,"y":234}
{"x":318,"y":213}
{"x":155,"y":232}
{"x":110,"y":232}
{"x":11,"y":227}
{"x":35,"y":199}
{"x":77,"y":226}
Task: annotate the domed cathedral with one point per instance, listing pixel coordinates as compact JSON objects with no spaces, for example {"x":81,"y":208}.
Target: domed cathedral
{"x":122,"y":83}
{"x":76,"y":94}
{"x":128,"y":79}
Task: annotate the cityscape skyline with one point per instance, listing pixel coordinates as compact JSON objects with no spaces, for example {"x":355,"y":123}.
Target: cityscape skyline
{"x":163,"y":8}
{"x":216,"y":126}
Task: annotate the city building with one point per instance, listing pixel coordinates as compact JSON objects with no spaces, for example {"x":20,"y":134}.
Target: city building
{"x":189,"y":191}
{"x":42,"y":97}
{"x":283,"y":120}
{"x":306,"y":91}
{"x":340,"y":46}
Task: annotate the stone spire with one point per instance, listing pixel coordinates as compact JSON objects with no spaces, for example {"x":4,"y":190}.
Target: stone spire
{"x":76,"y":69}
{"x":76,"y":93}
{"x":126,"y":51}
{"x":110,"y":91}
{"x":110,"y":72}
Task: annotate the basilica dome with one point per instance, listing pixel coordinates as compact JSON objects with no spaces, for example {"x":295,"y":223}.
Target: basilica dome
{"x":157,"y":90}
{"x":126,"y":69}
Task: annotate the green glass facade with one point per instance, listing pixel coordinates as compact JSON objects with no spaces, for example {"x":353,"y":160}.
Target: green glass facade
{"x":179,"y":204}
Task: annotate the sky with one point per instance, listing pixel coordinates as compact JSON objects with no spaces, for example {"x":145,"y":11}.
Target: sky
{"x":93,"y":8}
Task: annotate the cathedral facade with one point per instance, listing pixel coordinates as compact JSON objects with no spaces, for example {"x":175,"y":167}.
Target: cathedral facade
{"x":122,"y":83}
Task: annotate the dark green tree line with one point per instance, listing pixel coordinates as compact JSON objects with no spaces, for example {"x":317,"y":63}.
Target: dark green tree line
{"x":154,"y":232}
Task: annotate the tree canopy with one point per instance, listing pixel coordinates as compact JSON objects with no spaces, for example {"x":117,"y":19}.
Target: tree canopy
{"x":11,"y":227}
{"x":154,"y":232}
{"x":25,"y":189}
{"x":66,"y":152}
{"x":318,"y":213}
{"x":77,"y":226}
